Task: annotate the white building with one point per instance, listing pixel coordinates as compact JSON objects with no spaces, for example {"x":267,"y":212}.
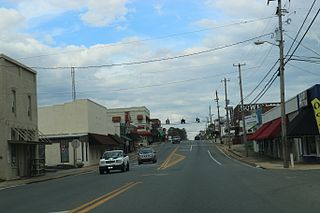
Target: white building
{"x":137,"y":116}
{"x":82,"y":120}
{"x":21,"y":154}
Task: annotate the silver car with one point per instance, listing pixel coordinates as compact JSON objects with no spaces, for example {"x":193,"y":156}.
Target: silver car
{"x":147,"y":155}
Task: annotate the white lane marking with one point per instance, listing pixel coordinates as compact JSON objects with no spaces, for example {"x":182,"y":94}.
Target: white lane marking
{"x":239,"y":162}
{"x":190,"y":148}
{"x":214,"y":158}
{"x":13,"y":186}
{"x":60,"y":212}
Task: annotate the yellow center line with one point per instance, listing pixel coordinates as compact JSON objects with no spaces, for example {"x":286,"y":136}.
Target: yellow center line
{"x":104,"y":198}
{"x":163,"y":165}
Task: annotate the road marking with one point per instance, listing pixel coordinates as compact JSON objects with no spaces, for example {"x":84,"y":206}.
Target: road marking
{"x":214,"y":158}
{"x":156,"y":174}
{"x":13,"y":186}
{"x":104,"y":198}
{"x":191,"y":148}
{"x":239,"y":162}
{"x":172,"y":160}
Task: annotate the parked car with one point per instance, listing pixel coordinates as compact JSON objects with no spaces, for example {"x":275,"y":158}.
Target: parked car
{"x":113,"y":160}
{"x":176,"y":139}
{"x":147,"y":155}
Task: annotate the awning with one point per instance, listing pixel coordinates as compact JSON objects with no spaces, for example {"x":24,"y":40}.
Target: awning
{"x":303,"y":124}
{"x":102,"y":140}
{"x":145,"y":133}
{"x":28,"y":136}
{"x":27,"y":142}
{"x":258,"y":131}
{"x":272,"y":131}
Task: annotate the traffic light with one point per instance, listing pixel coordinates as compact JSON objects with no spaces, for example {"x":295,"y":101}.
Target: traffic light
{"x":167,"y":121}
{"x":183,"y":121}
{"x":198,"y":120}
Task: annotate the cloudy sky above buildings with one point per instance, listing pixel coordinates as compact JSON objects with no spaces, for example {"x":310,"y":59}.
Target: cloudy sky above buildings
{"x":198,"y":41}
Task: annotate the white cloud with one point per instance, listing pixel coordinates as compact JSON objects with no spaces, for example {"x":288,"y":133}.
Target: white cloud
{"x":103,"y":13}
{"x":10,"y":19}
{"x":158,"y":8}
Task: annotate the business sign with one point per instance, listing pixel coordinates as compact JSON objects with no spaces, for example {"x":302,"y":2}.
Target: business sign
{"x":316,"y":108}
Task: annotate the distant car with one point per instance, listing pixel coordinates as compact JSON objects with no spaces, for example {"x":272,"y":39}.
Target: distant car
{"x":197,"y":138}
{"x":176,"y":139}
{"x":147,"y":155}
{"x":113,"y":160}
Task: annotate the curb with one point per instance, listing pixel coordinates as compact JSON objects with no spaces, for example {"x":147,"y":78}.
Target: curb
{"x":238,"y":157}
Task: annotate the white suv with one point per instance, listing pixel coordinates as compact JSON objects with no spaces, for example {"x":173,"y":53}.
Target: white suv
{"x":113,"y":160}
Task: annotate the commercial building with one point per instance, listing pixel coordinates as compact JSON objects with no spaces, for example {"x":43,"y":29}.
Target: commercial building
{"x":21,"y":153}
{"x":80,"y":132}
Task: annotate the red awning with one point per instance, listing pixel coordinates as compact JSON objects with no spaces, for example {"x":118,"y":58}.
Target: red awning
{"x":144,"y":133}
{"x":258,"y":132}
{"x":272,"y":131}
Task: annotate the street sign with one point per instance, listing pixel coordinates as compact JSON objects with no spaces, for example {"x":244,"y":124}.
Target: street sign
{"x":75,"y":143}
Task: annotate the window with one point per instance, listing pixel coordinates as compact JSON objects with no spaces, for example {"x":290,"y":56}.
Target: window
{"x":14,"y":155}
{"x":13,"y":135}
{"x":86,"y":151}
{"x":14,"y":102}
{"x":64,"y":150}
{"x":29,"y":107}
{"x":311,"y":148}
{"x":82,"y":151}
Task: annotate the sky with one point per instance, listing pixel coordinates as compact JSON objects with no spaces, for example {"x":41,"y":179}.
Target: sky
{"x":116,"y":47}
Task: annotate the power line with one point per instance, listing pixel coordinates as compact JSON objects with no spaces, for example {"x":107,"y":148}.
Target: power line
{"x":308,"y":48}
{"x":304,"y":21}
{"x":155,"y":38}
{"x":305,"y":33}
{"x":155,"y":60}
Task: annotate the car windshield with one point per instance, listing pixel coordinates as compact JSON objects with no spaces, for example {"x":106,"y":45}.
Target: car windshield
{"x":112,"y":154}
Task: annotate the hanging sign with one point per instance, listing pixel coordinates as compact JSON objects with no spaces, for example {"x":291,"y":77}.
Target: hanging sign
{"x":316,"y":109}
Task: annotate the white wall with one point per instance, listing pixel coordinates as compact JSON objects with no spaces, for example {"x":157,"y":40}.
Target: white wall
{"x":81,"y":116}
{"x":291,"y":106}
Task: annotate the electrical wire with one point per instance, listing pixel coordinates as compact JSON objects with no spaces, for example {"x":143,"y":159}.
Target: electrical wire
{"x":157,"y":59}
{"x":304,"y":21}
{"x":305,"y":33}
{"x":155,"y":38}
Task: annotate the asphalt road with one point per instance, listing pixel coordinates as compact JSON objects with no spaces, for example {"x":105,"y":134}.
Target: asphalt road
{"x":193,"y":176}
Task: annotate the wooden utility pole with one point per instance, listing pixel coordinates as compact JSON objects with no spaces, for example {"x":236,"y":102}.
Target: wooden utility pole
{"x":242,"y":110}
{"x":219,"y":125}
{"x":227,"y":109}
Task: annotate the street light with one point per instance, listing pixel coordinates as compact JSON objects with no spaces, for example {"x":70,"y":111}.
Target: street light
{"x":282,"y":88}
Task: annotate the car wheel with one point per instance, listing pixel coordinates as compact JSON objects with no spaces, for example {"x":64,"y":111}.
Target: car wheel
{"x":123,"y":169}
{"x":101,"y":171}
{"x":128,"y":167}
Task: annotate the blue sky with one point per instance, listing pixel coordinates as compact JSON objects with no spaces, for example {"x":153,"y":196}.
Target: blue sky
{"x":54,"y":33}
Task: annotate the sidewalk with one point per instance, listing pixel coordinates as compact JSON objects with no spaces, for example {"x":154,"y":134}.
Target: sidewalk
{"x":257,"y":160}
{"x":60,"y":173}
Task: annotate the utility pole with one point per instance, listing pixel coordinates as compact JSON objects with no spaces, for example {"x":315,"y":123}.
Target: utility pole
{"x":227,"y":109}
{"x":219,"y":126}
{"x":210,"y":114}
{"x":242,"y":110}
{"x":73,"y":84}
{"x":284,"y":140}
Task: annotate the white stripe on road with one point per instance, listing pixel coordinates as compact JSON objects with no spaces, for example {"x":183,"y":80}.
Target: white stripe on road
{"x":190,"y":148}
{"x":239,"y":162}
{"x":214,"y":158}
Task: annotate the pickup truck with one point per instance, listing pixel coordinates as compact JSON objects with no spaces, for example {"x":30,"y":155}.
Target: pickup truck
{"x":113,"y":160}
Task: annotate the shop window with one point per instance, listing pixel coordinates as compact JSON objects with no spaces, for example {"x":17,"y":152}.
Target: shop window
{"x":64,"y":151}
{"x":14,"y":155}
{"x":87,"y":151}
{"x":311,"y":148}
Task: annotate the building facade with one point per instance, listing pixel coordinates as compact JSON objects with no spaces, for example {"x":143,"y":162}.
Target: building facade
{"x":21,"y":153}
{"x":139,"y":117}
{"x":80,"y":132}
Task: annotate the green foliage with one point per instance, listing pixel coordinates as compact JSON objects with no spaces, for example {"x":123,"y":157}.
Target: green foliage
{"x":176,"y":131}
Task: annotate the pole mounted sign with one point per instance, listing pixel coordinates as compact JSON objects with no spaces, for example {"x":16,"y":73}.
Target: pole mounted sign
{"x":75,"y":143}
{"x":316,"y":108}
